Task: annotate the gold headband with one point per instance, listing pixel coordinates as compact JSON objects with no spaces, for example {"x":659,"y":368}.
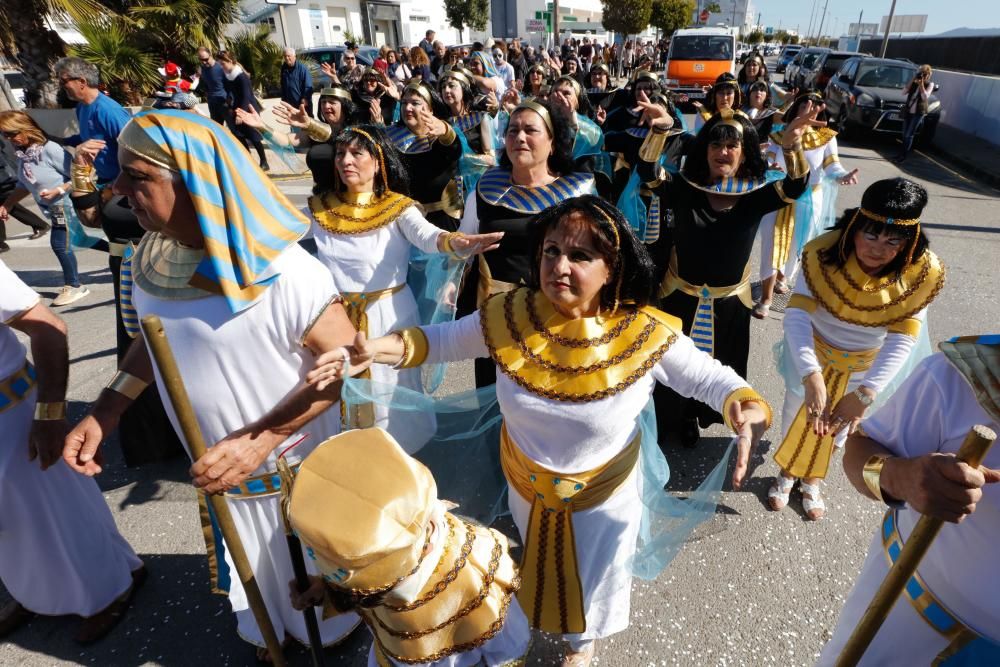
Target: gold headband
{"x":136,"y":141}
{"x":644,"y":74}
{"x":577,"y":88}
{"x":540,"y":110}
{"x":729,"y":117}
{"x":906,"y":222}
{"x":336,"y":92}
{"x":458,"y":75}
{"x":419,"y":88}
{"x":378,"y":153}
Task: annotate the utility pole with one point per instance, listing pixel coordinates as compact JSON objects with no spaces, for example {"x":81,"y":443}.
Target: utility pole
{"x":888,"y":27}
{"x":819,"y":33}
{"x":555,"y":26}
{"x":812,"y":15}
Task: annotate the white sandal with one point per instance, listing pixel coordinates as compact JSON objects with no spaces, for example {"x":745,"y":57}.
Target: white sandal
{"x":812,"y":501}
{"x":579,"y":658}
{"x":779,"y":492}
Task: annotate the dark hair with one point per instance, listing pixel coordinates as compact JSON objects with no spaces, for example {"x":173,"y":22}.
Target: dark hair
{"x":725,"y":80}
{"x":348,"y":110}
{"x":584,"y":107}
{"x":763,"y":76}
{"x":468,"y":95}
{"x":564,"y":136}
{"x":395,"y":171}
{"x":757,"y":85}
{"x":629,"y":261}
{"x":754,"y":165}
{"x":804,"y":95}
{"x":438,"y":107}
{"x":898,"y":198}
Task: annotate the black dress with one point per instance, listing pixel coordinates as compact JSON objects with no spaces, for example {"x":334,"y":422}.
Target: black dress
{"x":712,"y":249}
{"x":433,"y":169}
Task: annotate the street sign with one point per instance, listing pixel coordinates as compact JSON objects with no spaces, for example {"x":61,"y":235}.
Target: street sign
{"x":704,"y":15}
{"x":535,"y":25}
{"x":856,"y":29}
{"x":905,"y":23}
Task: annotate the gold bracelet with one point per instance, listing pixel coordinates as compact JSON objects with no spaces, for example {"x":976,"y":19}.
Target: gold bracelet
{"x":406,"y":351}
{"x":49,"y":412}
{"x":448,"y":247}
{"x":127,"y":385}
{"x":318,"y":132}
{"x":871,"y":474}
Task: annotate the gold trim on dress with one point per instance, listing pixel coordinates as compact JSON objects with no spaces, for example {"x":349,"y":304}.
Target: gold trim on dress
{"x":164,"y":268}
{"x":415,"y":346}
{"x":812,"y":137}
{"x":346,"y":213}
{"x":557,"y":358}
{"x":743,"y":395}
{"x":852,"y":296}
{"x":802,"y":302}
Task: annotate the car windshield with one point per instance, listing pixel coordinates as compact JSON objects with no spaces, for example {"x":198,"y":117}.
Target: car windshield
{"x":833,"y":63}
{"x":885,"y":76}
{"x":809,"y":59}
{"x":701,"y":47}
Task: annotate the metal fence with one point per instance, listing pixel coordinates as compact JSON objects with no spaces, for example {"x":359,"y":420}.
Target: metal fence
{"x":976,"y":55}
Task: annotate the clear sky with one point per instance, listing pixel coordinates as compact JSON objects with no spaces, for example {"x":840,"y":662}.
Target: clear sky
{"x":941,"y":14}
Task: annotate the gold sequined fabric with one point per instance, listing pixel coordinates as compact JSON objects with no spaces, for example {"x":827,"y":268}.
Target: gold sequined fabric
{"x":346,"y":213}
{"x":577,"y":360}
{"x":851,"y":295}
{"x":163,"y":268}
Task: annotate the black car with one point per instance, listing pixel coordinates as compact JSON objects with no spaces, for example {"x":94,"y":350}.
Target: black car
{"x":332,"y":54}
{"x":827,"y":65}
{"x":869,"y":94}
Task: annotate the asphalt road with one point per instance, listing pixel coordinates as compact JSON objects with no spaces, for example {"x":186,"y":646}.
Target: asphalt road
{"x":751,"y":588}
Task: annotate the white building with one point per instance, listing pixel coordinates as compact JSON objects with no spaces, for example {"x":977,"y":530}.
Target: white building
{"x":302,"y":24}
{"x":735,"y":13}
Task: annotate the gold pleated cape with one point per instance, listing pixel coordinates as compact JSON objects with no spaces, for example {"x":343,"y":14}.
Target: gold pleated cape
{"x":851,"y":295}
{"x":812,"y":138}
{"x":347,"y":213}
{"x":579,"y":360}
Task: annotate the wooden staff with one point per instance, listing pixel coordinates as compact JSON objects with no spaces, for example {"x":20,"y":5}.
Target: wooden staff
{"x":972,"y":452}
{"x":299,"y":562}
{"x":163,"y":356}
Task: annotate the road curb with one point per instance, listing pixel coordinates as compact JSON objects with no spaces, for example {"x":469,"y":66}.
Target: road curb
{"x":967,"y":166}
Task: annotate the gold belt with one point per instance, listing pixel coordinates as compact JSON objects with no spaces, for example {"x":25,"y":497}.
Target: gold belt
{"x":16,"y":386}
{"x":361,"y":415}
{"x":551,"y":593}
{"x":451,"y":202}
{"x":802,"y":453}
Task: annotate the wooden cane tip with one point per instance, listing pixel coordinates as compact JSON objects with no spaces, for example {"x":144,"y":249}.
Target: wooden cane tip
{"x":985,"y":432}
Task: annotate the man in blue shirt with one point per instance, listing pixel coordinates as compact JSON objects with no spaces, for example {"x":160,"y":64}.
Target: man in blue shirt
{"x":212,"y":81}
{"x":296,"y":83}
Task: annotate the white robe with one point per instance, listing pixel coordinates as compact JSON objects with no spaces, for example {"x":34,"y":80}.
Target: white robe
{"x":817,"y":173}
{"x":799,"y":326}
{"x":574,"y":437}
{"x":60,"y":551}
{"x":931,"y":412}
{"x":236,"y":368}
{"x":375,"y":261}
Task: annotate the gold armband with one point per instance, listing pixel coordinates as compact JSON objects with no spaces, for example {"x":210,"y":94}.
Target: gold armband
{"x":82,"y":177}
{"x":414,"y":347}
{"x":872,"y":473}
{"x":743,"y":395}
{"x":318,"y":132}
{"x":449,"y":136}
{"x":652,"y":146}
{"x":127,"y":385}
{"x":46,"y":412}
{"x":448,"y":247}
{"x":795,"y":160}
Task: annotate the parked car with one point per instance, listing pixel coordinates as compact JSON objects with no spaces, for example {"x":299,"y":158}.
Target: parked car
{"x":788,"y":52}
{"x":806,"y":66}
{"x":868,"y":93}
{"x":827,"y":65}
{"x":15,"y":81}
{"x":324,"y":54}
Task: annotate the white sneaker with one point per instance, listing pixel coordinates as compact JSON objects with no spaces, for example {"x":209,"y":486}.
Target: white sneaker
{"x":69,"y":294}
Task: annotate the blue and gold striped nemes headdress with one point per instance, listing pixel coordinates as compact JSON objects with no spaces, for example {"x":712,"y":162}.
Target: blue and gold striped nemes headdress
{"x":246,"y":221}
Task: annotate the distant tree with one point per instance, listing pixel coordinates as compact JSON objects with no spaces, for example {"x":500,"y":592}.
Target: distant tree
{"x":259,"y":55}
{"x":755,"y":37}
{"x":627,"y":17}
{"x":781,"y":37}
{"x":128,"y":71}
{"x":670,"y":15}
{"x":713,"y":8}
{"x":467,"y":13}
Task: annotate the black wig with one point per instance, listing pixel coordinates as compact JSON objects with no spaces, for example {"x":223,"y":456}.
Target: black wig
{"x":631,"y":269}
{"x":392,"y":175}
{"x":564,"y":136}
{"x":716,"y":130}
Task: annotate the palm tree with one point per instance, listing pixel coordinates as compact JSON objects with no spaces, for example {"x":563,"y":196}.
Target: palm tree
{"x":27,"y":39}
{"x":260,"y":56}
{"x":128,"y":71}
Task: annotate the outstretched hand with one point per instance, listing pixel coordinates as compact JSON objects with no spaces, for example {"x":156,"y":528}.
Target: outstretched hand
{"x":808,"y":117}
{"x":289,"y":115}
{"x":653,"y":115}
{"x":749,"y":421}
{"x":330,"y":366}
{"x":851,"y":178}
{"x":467,"y":245}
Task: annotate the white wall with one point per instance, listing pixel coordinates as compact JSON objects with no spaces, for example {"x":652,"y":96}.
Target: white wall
{"x":969,"y":102}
